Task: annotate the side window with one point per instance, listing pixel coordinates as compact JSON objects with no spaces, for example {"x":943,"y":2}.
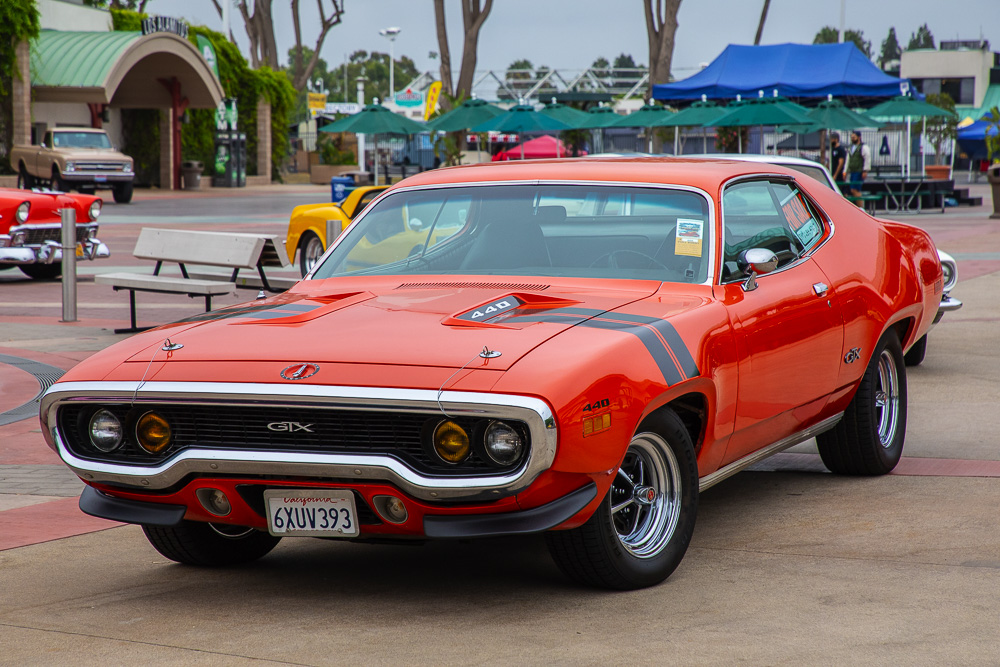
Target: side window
{"x":766,"y":214}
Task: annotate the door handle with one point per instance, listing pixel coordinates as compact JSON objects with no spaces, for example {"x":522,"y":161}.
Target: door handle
{"x":820,"y":289}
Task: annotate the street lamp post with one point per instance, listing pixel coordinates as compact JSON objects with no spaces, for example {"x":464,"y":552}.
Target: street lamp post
{"x":391,"y":34}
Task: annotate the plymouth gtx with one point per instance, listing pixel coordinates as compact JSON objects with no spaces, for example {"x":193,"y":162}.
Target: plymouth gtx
{"x":574,"y":347}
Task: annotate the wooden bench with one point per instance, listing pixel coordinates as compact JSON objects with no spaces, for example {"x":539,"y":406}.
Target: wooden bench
{"x":222,"y":249}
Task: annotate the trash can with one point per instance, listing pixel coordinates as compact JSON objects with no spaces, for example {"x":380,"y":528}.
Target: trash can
{"x":191,"y":173}
{"x":340,"y":187}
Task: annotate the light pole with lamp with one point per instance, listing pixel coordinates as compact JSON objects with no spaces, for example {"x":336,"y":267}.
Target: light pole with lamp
{"x":391,"y":34}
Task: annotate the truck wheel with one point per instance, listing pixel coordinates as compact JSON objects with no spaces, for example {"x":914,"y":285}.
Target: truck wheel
{"x":641,"y":530}
{"x":58,"y":184}
{"x":196,"y":543}
{"x":122,"y":193}
{"x":42,"y":271}
{"x":869,"y":438}
{"x":310,"y":250}
{"x":24,"y":179}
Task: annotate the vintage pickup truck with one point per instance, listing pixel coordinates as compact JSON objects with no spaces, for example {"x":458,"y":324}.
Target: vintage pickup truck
{"x":79,"y":158}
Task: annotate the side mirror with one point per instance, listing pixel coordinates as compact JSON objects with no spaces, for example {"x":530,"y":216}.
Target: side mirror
{"x":755,"y":262}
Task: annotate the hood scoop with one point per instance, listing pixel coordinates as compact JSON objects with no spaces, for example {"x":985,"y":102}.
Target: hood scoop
{"x":512,"y":287}
{"x":498,"y":311}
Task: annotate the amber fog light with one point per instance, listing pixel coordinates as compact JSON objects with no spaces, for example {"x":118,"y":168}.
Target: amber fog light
{"x":105,"y":431}
{"x":390,"y":508}
{"x":152,"y":432}
{"x":451,"y":442}
{"x":503,"y":444}
{"x":214,"y":501}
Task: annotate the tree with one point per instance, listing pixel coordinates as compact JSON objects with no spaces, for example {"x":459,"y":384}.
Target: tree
{"x":942,"y":128}
{"x":474,"y":16}
{"x":661,"y":26}
{"x":19,"y":21}
{"x":890,"y":49}
{"x":829,"y":35}
{"x":921,"y":39}
{"x":259,"y":23}
{"x":131,"y":5}
{"x":625,"y":78}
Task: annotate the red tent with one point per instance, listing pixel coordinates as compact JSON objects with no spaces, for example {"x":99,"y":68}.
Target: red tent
{"x":540,"y":147}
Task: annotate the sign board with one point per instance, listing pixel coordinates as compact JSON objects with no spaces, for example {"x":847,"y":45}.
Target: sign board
{"x":226,"y":115}
{"x":316,"y":102}
{"x":432,"y":99}
{"x":409,"y":99}
{"x":349,"y":108}
{"x":153,"y":24}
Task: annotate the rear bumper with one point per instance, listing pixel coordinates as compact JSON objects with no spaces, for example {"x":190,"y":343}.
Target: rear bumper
{"x":949,"y":304}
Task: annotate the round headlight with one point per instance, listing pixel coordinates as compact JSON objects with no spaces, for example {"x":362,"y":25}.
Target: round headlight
{"x":152,"y":433}
{"x":22,"y":211}
{"x":105,"y":431}
{"x":451,"y":442}
{"x":503,"y":444}
{"x":70,"y":167}
{"x":95,"y":210}
{"x":127,"y":167}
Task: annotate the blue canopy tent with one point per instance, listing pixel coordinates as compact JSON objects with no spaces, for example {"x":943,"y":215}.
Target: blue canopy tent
{"x":972,"y":139}
{"x":796,"y":71}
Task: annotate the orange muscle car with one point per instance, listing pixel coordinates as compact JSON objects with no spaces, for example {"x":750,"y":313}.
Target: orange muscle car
{"x":575,"y":347}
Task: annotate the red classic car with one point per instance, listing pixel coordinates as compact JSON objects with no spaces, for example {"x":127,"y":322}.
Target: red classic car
{"x":31,"y":230}
{"x":590,"y":345}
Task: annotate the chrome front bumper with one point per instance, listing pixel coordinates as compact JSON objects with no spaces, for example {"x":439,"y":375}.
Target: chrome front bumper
{"x":354,"y":467}
{"x":949,"y":304}
{"x":50,"y":252}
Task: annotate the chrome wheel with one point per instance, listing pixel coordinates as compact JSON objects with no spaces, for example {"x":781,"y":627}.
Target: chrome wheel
{"x":646,"y":495}
{"x":311,"y":250}
{"x":887,"y":399}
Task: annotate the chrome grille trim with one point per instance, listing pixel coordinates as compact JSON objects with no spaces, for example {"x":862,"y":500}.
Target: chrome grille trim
{"x":360,"y":468}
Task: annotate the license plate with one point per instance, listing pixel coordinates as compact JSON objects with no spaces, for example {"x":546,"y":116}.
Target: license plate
{"x":311,"y":513}
{"x":100,"y":179}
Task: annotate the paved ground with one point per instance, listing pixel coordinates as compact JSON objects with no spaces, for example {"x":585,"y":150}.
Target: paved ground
{"x":789,"y":564}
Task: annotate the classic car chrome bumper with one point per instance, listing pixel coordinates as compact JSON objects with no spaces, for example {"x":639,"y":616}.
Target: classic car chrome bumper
{"x":355,"y":467}
{"x":97,"y":177}
{"x":51,"y":252}
{"x":949,"y":304}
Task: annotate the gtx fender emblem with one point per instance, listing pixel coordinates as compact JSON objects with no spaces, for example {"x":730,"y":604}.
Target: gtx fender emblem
{"x":853,"y":355}
{"x":300,"y":371}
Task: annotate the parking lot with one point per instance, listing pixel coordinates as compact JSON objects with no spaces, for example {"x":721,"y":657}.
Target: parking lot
{"x":789,"y":564}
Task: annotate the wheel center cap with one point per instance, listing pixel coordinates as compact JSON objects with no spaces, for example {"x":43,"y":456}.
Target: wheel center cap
{"x":645,"y":495}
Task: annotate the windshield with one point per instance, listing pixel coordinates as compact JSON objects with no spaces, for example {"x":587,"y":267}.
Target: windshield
{"x":80,"y":140}
{"x":541,"y":230}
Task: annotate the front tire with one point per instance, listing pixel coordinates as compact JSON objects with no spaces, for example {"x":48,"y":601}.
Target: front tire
{"x":869,"y":439}
{"x":58,"y":184}
{"x":122,"y":192}
{"x":42,"y":271}
{"x":915,"y":355}
{"x":207,"y":544}
{"x":641,"y":530}
{"x":310,"y":250}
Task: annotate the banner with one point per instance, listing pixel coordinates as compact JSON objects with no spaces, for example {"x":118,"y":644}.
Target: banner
{"x":432,"y":99}
{"x":208,"y":53}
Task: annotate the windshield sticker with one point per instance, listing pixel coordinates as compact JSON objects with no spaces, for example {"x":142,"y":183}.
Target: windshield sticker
{"x":690,"y":235}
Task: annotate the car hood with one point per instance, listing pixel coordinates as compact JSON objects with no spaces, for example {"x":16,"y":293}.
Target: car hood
{"x":437,"y":324}
{"x":45,"y":206}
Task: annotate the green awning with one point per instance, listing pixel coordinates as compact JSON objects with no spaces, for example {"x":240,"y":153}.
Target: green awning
{"x":120,"y":68}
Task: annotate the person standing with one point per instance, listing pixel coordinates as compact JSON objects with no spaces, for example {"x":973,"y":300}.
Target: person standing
{"x":859,"y":162}
{"x":838,"y":158}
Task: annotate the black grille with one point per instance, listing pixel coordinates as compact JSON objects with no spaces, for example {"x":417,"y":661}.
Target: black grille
{"x":399,"y":435}
{"x":99,"y":166}
{"x":38,"y":236}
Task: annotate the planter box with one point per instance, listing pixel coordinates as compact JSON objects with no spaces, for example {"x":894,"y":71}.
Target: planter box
{"x":940,"y":171}
{"x":320,"y":174}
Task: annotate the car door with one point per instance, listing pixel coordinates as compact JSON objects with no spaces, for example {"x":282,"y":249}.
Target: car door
{"x":787,"y":324}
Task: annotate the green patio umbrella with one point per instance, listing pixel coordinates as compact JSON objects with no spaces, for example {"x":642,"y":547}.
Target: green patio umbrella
{"x":566,"y":114}
{"x":599,"y":118}
{"x":833,"y":115}
{"x":763,"y":111}
{"x":699,"y":114}
{"x":521,"y":118}
{"x":648,"y":116}
{"x":375,"y":119}
{"x":468,"y":114}
{"x":905,"y":106}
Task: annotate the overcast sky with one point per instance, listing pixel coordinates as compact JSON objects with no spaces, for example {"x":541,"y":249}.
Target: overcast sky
{"x":571,"y":34}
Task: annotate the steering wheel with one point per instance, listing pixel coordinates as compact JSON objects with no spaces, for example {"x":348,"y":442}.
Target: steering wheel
{"x":612,"y":259}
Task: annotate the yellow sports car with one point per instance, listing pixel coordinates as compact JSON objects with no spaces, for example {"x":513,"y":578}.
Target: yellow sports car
{"x":308,"y":224}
